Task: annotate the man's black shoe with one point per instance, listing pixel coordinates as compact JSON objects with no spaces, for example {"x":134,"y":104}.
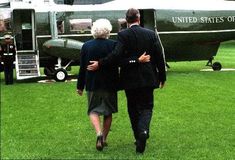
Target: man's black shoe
{"x":141,"y":142}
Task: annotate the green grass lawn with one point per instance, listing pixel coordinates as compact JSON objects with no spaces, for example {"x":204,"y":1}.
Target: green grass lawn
{"x":193,"y":118}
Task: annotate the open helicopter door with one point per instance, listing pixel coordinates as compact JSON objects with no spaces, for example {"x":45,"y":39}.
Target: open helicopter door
{"x":147,"y":18}
{"x":27,"y":56}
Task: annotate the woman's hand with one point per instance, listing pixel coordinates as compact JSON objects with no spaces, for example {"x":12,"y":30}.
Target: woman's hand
{"x":144,"y":58}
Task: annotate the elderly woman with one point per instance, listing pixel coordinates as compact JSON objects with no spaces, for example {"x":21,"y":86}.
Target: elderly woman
{"x":101,"y":85}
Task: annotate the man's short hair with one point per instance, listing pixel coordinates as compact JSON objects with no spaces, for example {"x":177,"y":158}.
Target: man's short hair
{"x":132,"y":15}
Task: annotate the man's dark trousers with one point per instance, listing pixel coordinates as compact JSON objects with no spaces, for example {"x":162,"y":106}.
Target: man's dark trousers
{"x":8,"y":71}
{"x":140,"y":106}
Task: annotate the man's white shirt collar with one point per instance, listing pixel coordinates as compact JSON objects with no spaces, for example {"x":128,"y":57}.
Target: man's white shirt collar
{"x":134,"y":24}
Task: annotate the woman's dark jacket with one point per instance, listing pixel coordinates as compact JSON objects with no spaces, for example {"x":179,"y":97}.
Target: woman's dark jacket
{"x":105,"y":78}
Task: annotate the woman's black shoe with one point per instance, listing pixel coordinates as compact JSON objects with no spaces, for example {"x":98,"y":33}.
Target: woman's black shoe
{"x":99,"y":143}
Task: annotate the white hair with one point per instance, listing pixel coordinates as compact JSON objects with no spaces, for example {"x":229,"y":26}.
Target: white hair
{"x":101,"y":28}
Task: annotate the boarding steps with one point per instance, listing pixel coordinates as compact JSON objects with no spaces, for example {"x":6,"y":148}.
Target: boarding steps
{"x":27,"y":64}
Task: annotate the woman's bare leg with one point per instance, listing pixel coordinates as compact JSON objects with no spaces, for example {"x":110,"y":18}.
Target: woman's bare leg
{"x":95,"y":120}
{"x":106,"y":126}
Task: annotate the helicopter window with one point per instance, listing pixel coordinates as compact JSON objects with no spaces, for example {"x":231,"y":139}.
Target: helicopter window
{"x":80,"y":2}
{"x":2,"y":26}
{"x":60,"y":27}
{"x":59,"y":1}
{"x":122,"y":23}
{"x":5,"y":18}
{"x":80,"y":25}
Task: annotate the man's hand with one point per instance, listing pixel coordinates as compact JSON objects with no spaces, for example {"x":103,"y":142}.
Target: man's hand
{"x":162,"y":84}
{"x":93,"y":66}
{"x":79,"y":92}
{"x":144,"y":58}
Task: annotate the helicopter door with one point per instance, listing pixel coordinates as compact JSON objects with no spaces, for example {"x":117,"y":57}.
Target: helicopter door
{"x":24,"y":29}
{"x":27,"y":57}
{"x":147,"y":19}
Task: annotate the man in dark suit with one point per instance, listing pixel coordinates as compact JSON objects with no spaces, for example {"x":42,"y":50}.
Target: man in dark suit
{"x":138,"y":79}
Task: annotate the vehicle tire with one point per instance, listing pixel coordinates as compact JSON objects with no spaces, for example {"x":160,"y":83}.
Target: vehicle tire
{"x":216,"y":66}
{"x":60,"y":75}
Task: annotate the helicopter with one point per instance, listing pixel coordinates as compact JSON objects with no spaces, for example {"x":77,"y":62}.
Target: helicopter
{"x":51,"y":35}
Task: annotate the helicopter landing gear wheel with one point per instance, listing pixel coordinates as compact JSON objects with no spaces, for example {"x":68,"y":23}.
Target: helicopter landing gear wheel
{"x":60,"y":75}
{"x":216,"y":66}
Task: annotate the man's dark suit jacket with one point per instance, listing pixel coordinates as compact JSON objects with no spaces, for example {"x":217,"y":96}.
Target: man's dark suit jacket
{"x":132,"y":42}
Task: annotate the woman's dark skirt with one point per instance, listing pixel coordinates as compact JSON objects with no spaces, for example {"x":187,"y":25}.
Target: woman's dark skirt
{"x":102,"y":102}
